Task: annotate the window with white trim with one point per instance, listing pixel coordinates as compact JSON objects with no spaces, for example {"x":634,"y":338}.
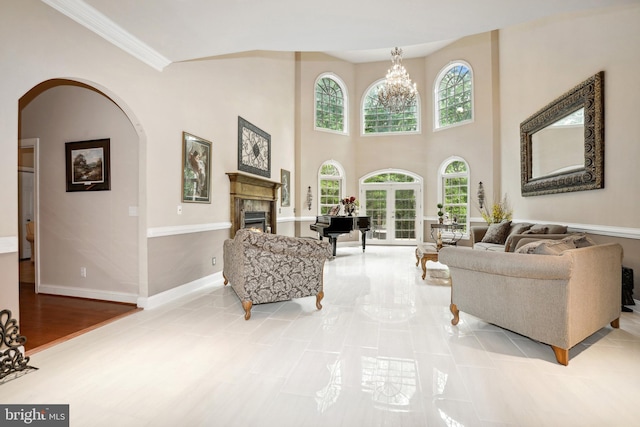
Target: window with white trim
{"x":453,"y":95}
{"x":330,"y":103}
{"x":377,"y":119}
{"x":331,"y":186}
{"x":454,"y":190}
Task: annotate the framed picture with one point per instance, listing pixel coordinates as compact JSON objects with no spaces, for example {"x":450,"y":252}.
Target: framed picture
{"x":285,"y":189}
{"x":254,"y":149}
{"x":196,"y":169}
{"x":88,"y":165}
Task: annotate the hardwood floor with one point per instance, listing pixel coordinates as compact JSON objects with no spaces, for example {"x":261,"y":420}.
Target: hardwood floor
{"x":49,"y":319}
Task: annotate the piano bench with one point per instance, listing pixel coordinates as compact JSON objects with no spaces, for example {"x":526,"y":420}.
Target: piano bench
{"x":426,"y":252}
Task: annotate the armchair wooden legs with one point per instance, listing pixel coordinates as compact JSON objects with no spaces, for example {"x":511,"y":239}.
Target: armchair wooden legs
{"x":456,"y":314}
{"x":318,"y":299}
{"x":247,"y":309}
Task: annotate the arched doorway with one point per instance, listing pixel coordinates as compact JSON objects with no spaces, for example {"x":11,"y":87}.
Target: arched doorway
{"x":88,"y":243}
{"x":393,"y":199}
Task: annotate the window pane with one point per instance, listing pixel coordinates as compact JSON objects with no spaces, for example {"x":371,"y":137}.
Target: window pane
{"x":378,"y":120}
{"x":329,"y":105}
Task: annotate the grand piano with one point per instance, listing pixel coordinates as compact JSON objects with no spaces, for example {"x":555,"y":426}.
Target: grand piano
{"x":333,"y":226}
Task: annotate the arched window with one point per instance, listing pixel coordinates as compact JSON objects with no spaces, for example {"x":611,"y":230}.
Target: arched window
{"x":453,"y":190}
{"x":453,"y":95}
{"x":376,"y":118}
{"x":331,"y":186}
{"x":330,"y":103}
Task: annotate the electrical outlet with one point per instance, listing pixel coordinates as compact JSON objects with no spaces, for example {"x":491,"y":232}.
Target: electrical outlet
{"x":213,"y":261}
{"x":83,"y":271}
{"x":179,"y":209}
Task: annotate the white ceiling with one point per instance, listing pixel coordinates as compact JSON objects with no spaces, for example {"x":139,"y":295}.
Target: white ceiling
{"x":163,"y":31}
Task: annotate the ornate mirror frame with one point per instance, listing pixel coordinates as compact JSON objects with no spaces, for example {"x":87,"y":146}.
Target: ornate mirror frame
{"x":590,"y":95}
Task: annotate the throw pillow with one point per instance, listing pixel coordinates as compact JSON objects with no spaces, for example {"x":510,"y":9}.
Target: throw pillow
{"x":556,"y":229}
{"x":515,"y":229}
{"x":529,"y":248}
{"x":579,"y":240}
{"x":497,"y":233}
{"x":553,"y":247}
{"x":537,"y":229}
{"x":545,"y":247}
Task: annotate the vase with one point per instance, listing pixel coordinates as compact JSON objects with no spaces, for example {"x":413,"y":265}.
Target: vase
{"x":441,"y":220}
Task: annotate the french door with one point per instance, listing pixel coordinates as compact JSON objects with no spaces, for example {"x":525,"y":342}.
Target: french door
{"x":395,"y":211}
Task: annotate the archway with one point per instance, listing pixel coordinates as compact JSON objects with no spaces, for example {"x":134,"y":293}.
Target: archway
{"x":90,"y":244}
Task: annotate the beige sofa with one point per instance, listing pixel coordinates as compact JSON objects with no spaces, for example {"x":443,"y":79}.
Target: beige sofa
{"x":509,"y":236}
{"x":266,"y":268}
{"x":556,"y":299}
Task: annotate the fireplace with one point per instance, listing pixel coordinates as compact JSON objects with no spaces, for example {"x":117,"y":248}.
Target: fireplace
{"x":257,"y":220}
{"x":251,"y":196}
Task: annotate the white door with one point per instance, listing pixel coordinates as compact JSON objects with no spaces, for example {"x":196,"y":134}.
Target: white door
{"x":393,"y":209}
{"x":26,"y":194}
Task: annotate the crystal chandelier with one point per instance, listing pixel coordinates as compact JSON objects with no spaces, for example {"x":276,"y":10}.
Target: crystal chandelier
{"x":398,"y":92}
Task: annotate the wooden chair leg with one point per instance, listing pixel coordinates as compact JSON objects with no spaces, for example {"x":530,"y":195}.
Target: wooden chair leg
{"x":225,"y":279}
{"x":247,"y":309}
{"x":616,"y":323}
{"x":318,"y":299}
{"x":562,"y":355}
{"x":456,"y":314}
{"x":423,"y":263}
{"x":417,"y":258}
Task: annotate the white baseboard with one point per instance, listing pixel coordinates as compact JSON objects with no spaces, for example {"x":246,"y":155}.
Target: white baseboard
{"x":170,"y":295}
{"x":88,"y":293}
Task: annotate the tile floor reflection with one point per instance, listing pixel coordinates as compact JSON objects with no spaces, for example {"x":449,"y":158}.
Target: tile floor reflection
{"x":382,"y":352}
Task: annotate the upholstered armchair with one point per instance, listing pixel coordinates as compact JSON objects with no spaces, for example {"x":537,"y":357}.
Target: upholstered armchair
{"x":266,"y":268}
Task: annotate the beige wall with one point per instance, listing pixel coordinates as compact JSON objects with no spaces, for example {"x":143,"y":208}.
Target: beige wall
{"x":421,"y":153}
{"x":542,"y":60}
{"x":204,"y":98}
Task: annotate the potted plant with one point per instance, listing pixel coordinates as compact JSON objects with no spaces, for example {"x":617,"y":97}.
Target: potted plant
{"x":440,"y":213}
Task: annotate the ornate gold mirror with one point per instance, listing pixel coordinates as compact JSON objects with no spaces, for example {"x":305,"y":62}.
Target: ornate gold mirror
{"x":562,"y":145}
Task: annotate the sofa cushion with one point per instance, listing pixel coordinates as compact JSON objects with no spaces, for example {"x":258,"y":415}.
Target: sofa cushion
{"x":497,"y":233}
{"x":493,"y":247}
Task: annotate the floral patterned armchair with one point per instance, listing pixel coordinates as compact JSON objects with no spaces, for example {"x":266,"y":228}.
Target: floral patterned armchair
{"x":266,"y":268}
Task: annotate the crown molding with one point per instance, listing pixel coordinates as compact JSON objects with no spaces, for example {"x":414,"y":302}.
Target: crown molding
{"x":90,"y":18}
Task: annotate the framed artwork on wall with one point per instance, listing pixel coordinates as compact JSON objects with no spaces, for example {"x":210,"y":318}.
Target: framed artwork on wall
{"x":196,"y":169}
{"x":88,"y":165}
{"x":285,"y":193}
{"x":254,"y":149}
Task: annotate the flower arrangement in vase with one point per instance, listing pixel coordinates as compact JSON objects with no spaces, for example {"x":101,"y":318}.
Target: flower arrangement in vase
{"x":349,"y":204}
{"x":497,"y":212}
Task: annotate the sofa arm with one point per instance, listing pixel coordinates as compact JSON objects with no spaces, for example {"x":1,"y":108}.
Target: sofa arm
{"x":477,"y":233}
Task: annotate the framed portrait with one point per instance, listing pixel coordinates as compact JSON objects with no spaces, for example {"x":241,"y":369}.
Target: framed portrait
{"x":196,"y":169}
{"x":285,"y":189}
{"x":254,"y":149}
{"x":88,"y":165}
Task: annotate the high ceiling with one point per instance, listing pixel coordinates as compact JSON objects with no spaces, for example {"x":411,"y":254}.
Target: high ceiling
{"x":163,"y":31}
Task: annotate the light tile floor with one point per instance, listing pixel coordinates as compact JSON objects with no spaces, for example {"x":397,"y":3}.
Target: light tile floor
{"x":382,"y":352}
